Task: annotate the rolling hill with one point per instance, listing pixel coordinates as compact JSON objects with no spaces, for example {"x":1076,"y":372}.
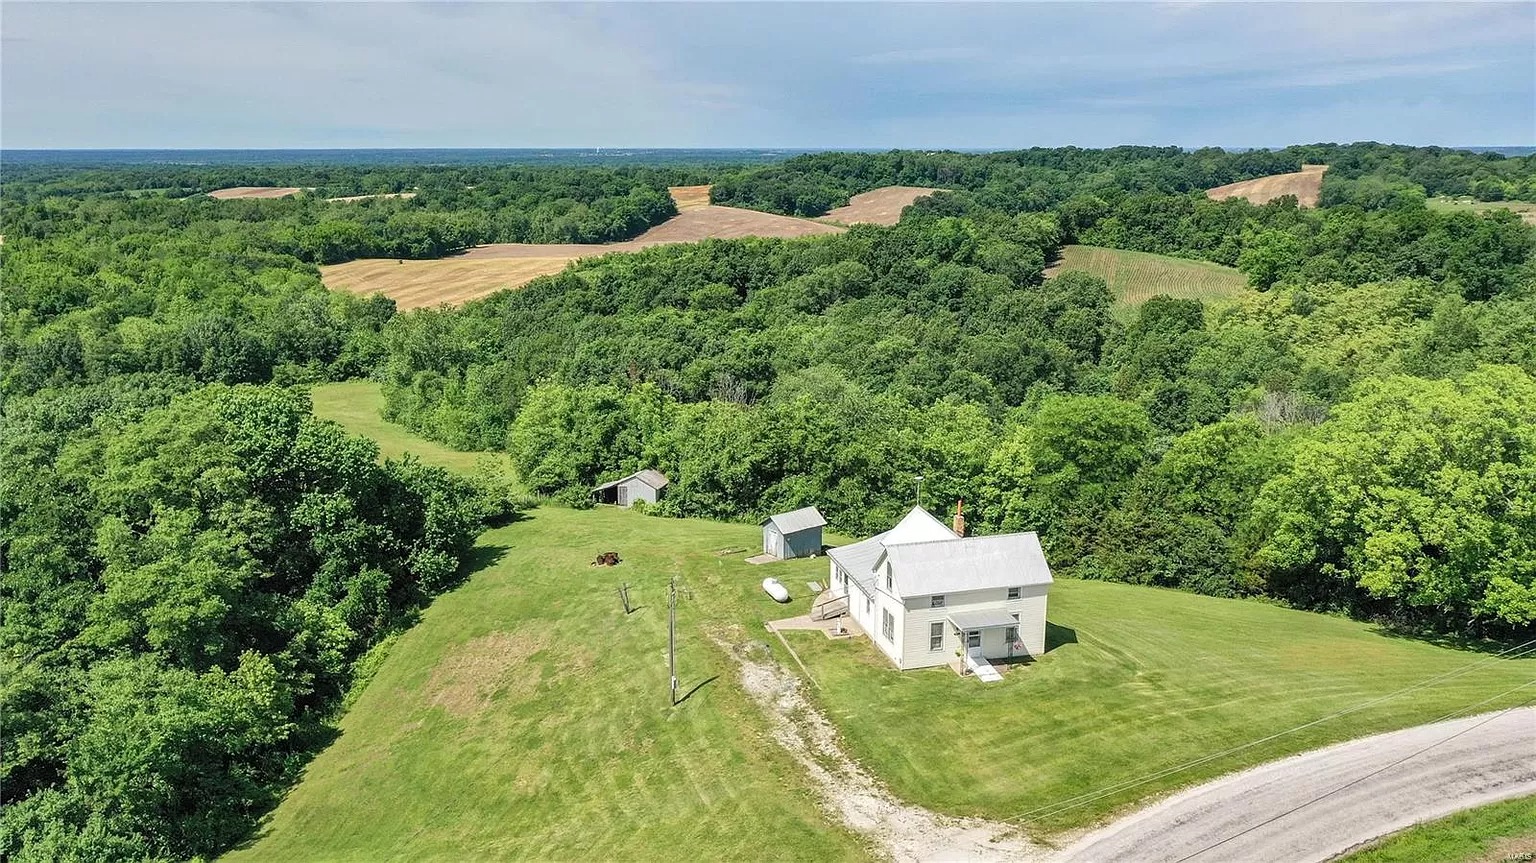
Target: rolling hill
{"x":1134,"y":277}
{"x":1305,"y":184}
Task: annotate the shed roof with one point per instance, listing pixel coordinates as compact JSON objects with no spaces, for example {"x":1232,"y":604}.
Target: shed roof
{"x":804,"y":518}
{"x":653,"y":478}
{"x":970,"y":563}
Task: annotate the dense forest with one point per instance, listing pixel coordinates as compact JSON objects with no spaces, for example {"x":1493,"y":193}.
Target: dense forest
{"x":195,"y":571}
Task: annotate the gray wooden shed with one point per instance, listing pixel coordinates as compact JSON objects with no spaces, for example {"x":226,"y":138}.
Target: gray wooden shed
{"x":793,"y":534}
{"x":646,"y":485}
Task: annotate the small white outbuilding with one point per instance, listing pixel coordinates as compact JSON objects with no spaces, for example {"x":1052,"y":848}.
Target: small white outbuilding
{"x":646,"y":485}
{"x":793,"y":534}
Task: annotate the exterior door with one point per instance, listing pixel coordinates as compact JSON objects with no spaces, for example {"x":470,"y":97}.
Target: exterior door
{"x":623,"y":496}
{"x":1011,"y":636}
{"x":972,"y":639}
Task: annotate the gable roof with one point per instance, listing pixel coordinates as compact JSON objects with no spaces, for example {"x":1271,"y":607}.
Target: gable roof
{"x":653,"y":478}
{"x":969,"y":563}
{"x":795,"y":521}
{"x":919,"y":525}
{"x":859,"y":558}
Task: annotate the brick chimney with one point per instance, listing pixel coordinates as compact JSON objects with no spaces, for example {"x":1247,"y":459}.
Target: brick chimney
{"x":959,"y":523}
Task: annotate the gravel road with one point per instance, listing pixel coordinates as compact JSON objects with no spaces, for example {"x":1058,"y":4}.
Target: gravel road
{"x":1273,"y":813}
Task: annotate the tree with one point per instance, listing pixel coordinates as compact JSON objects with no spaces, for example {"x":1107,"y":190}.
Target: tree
{"x":1417,"y":499}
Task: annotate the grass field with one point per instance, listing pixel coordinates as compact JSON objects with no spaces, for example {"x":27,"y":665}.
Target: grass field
{"x":358,"y":405}
{"x":1499,"y":833}
{"x":1305,"y":184}
{"x":1135,"y":277}
{"x":526,"y":716}
{"x":1526,"y":210}
{"x":1137,"y":680}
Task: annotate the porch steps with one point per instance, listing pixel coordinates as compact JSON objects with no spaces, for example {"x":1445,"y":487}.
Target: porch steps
{"x":827,"y":606}
{"x":983,"y":669}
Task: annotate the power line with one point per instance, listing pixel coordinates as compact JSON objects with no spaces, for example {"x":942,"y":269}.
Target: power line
{"x":1092,"y":796}
{"x":1378,"y":772}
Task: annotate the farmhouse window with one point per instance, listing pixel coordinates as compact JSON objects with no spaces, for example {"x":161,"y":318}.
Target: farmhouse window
{"x":1013,"y":592}
{"x":936,"y":636}
{"x":887,"y":624}
{"x":936,"y":601}
{"x":887,"y":581}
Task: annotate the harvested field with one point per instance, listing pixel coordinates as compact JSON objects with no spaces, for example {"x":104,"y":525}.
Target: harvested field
{"x":878,"y":206}
{"x":690,"y":197}
{"x":1135,"y":277}
{"x":1304,"y":184}
{"x":415,"y":284}
{"x":254,"y":192}
{"x":346,"y":198}
{"x":486,"y":269}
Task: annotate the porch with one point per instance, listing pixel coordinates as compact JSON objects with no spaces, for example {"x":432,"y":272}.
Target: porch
{"x":988,"y":638}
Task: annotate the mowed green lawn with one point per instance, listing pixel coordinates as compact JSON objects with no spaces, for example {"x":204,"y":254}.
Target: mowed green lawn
{"x":1135,"y":277}
{"x":358,"y":405}
{"x":526,"y":716}
{"x":1136,"y":680}
{"x":1500,"y":831}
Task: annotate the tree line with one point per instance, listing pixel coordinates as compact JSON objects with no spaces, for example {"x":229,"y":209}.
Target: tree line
{"x":195,"y":571}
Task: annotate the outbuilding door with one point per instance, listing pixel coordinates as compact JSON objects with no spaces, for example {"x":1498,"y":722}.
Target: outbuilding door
{"x":623,"y":495}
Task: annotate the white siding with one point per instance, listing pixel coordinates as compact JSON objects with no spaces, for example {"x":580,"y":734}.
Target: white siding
{"x":1030,"y":607}
{"x":638,"y":491}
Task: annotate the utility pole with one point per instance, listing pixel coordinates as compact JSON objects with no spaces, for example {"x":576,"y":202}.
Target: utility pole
{"x":672,"y":635}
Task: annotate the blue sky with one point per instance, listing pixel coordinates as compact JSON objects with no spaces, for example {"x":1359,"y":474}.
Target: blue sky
{"x":764,"y":74}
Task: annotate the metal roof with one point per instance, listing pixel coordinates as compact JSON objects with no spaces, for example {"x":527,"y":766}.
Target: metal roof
{"x":859,"y":558}
{"x":986,"y":619}
{"x":804,"y":518}
{"x":919,"y":525}
{"x":970,"y":563}
{"x":653,"y":478}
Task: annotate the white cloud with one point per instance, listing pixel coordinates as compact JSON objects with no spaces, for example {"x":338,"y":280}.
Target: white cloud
{"x":684,"y":74}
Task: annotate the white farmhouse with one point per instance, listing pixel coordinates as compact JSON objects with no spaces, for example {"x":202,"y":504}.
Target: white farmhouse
{"x":927,"y":595}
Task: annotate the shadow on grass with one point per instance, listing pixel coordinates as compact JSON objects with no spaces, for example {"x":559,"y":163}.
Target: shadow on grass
{"x":506,"y":518}
{"x":482,"y":557}
{"x":1056,"y":636}
{"x":700,"y":685}
{"x":310,"y":738}
{"x":1456,"y":641}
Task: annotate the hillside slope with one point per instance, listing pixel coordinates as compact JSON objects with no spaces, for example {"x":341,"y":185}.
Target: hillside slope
{"x":1305,"y":184}
{"x":1135,"y":277}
